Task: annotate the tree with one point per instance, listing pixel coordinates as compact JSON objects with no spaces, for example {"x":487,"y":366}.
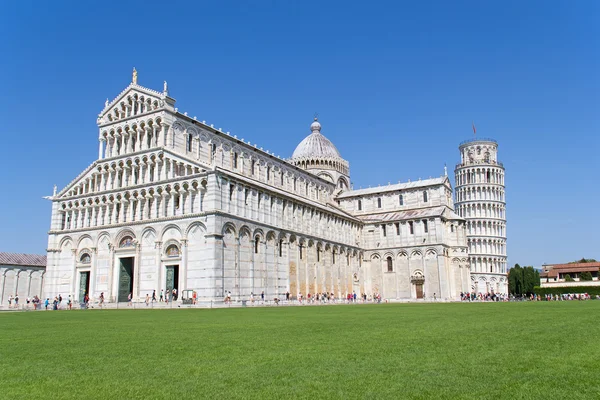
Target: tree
{"x":583,"y":260}
{"x":515,"y":280}
{"x":522,"y":280}
{"x":585,"y":276}
{"x":568,"y":278}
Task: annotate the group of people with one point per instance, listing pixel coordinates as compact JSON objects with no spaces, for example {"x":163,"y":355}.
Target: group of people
{"x":565,"y":297}
{"x":310,"y":298}
{"x":490,"y":296}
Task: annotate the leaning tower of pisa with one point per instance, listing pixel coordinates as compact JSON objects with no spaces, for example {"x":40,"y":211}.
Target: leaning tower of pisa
{"x":480,"y":201}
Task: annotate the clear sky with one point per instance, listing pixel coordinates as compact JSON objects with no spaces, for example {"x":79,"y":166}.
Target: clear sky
{"x":396,"y":85}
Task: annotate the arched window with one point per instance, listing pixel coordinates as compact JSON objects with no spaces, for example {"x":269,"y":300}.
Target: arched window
{"x":256,"y":243}
{"x":379,"y":202}
{"x":189,"y":142}
{"x":268,"y":174}
{"x":127,"y":241}
{"x":390,"y":264}
{"x":401,"y":199}
{"x":85,"y":258}
{"x":359,"y":205}
{"x":235,"y":160}
{"x":172,"y":251}
{"x":252,"y":167}
{"x":280,"y":247}
{"x":425,"y":196}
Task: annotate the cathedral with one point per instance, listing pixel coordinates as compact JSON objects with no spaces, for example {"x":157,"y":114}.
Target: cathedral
{"x":175,"y":203}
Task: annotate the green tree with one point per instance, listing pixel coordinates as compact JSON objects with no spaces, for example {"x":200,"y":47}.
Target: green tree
{"x":585,"y":276}
{"x":515,"y":280}
{"x":522,"y":280}
{"x":583,"y":260}
{"x":568,"y":278}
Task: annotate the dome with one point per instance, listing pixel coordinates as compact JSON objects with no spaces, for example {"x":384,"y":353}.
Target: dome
{"x":316,"y":145}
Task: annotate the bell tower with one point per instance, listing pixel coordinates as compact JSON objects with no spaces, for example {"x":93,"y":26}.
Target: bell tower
{"x":480,"y":200}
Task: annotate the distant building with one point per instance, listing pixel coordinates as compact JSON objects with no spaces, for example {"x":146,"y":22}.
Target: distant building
{"x":555,"y":275}
{"x":21,"y":274}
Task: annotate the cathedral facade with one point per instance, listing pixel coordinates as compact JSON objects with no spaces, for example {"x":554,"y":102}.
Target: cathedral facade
{"x":172,"y":202}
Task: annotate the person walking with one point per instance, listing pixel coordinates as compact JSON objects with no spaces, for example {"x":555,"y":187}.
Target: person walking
{"x":161,"y":295}
{"x":69,"y":302}
{"x":16,"y":300}
{"x":129,"y":300}
{"x":147,"y":300}
{"x":154,"y":295}
{"x":47,"y":302}
{"x":101,"y":300}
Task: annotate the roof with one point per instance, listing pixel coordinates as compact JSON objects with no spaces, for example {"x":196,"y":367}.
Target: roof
{"x":397,"y":186}
{"x":404,"y":215}
{"x":316,"y":145}
{"x":555,"y":269}
{"x":29,"y":260}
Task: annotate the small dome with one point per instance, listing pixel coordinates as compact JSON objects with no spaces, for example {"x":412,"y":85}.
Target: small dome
{"x":316,"y":145}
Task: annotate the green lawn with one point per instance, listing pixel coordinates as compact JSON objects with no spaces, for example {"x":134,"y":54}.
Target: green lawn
{"x":426,"y":351}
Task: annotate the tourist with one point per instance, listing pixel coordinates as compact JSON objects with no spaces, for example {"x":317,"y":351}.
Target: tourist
{"x":16,"y":300}
{"x":251,"y":298}
{"x":147,"y":299}
{"x":194,"y":297}
{"x":55,"y":304}
{"x":129,"y":299}
{"x":161,"y":295}
{"x":10,"y":299}
{"x":287,"y":296}
{"x":262,"y":297}
{"x":154,"y":295}
{"x":59,"y":300}
{"x":86,"y":301}
{"x":167,"y":297}
{"x":101,"y":300}
{"x":69,"y":302}
{"x":174,"y":294}
{"x":47,"y":302}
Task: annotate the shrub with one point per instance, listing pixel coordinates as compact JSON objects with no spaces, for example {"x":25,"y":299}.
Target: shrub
{"x":591,"y":290}
{"x":585,"y":276}
{"x":568,"y":278}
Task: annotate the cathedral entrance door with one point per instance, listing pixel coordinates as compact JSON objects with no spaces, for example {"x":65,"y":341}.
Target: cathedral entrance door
{"x":419,"y":288}
{"x":172,"y":279}
{"x":125,"y":278}
{"x":84,"y":284}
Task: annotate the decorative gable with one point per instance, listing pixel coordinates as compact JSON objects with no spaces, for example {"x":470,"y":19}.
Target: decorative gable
{"x":134,"y":101}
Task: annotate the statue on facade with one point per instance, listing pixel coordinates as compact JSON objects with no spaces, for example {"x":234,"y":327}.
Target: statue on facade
{"x":165,"y":88}
{"x":134,"y":77}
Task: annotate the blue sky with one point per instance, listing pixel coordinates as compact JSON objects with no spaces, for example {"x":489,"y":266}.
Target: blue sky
{"x":396,"y":86}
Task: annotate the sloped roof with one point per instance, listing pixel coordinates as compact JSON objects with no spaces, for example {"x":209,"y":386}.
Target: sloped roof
{"x":29,"y":260}
{"x":397,"y":186}
{"x":552,"y":271}
{"x":404,"y":215}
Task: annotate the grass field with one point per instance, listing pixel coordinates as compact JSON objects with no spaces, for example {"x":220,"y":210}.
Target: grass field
{"x":425,"y":351}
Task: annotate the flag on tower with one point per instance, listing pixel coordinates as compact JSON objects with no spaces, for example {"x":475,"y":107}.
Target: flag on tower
{"x":474,"y":130}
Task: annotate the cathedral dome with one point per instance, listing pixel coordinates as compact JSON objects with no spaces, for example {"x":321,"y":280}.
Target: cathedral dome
{"x":316,"y":145}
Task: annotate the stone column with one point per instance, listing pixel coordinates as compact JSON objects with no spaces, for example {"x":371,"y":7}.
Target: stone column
{"x":111,"y":272}
{"x":29,"y":272}
{"x":159,"y":269}
{"x":136,"y":268}
{"x":184,"y":266}
{"x":73,"y":274}
{"x":92,"y":272}
{"x":2,"y":283}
